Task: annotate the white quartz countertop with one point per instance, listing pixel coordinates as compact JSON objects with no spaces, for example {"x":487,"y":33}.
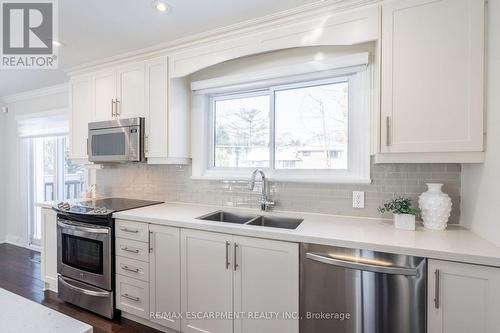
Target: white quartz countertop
{"x":18,"y":314}
{"x":455,"y":244}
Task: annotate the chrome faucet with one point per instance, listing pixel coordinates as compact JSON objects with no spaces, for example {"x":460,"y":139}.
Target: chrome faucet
{"x":265,"y":203}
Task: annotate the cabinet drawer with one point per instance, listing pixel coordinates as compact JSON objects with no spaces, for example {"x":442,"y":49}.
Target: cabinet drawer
{"x":132,"y":268}
{"x":132,"y":230}
{"x":132,"y":296}
{"x":132,"y":249}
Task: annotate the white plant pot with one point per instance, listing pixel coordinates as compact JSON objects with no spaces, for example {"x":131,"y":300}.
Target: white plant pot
{"x":404,"y":221}
{"x":435,"y":207}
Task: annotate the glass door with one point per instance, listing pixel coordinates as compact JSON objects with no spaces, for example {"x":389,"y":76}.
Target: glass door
{"x":51,"y":176}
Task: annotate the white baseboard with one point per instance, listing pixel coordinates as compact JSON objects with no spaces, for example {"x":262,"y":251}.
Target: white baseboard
{"x":147,"y":323}
{"x":15,"y":240}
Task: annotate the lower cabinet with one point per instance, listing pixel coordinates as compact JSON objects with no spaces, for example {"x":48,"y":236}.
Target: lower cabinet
{"x":248,"y":278}
{"x":219,"y":283}
{"x":462,"y":298}
{"x":165,"y":284}
{"x":48,"y":249}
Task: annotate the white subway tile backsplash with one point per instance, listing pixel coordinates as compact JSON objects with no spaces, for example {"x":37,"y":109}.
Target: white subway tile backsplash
{"x":173,"y":183}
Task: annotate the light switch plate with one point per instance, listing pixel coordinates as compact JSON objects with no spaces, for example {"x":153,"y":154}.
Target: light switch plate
{"x":358,"y":199}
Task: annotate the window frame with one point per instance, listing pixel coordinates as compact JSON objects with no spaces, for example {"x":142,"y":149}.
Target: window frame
{"x":359,"y":119}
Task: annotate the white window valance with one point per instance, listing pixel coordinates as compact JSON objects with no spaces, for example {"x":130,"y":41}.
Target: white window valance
{"x":50,"y":123}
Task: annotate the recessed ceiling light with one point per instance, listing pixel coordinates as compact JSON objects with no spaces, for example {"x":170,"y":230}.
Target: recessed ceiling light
{"x":161,"y":6}
{"x":57,"y":43}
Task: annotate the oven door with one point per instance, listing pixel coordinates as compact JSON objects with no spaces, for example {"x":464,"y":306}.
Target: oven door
{"x":117,"y":144}
{"x":84,"y":252}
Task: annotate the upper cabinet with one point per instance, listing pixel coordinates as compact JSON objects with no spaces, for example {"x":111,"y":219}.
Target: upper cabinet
{"x":139,"y":89}
{"x":432,"y":78}
{"x":119,"y":93}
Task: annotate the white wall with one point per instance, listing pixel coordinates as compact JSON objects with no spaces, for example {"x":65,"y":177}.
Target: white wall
{"x":3,"y":176}
{"x":16,"y":228}
{"x":481,"y":183}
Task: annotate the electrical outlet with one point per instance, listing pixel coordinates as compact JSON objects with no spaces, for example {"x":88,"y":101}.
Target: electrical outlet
{"x":358,"y":199}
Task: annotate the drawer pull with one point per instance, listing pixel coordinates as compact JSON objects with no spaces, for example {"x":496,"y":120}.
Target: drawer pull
{"x":134,"y":270}
{"x":132,"y":298}
{"x":130,"y":250}
{"x":133,"y":231}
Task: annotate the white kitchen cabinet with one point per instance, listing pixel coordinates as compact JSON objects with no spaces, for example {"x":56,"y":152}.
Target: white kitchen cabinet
{"x":48,"y":249}
{"x":119,"y":93}
{"x":167,"y":112}
{"x":432,"y":77}
{"x":130,"y":91}
{"x":104,"y":94}
{"x":156,"y":144}
{"x":206,"y":280}
{"x":80,"y":91}
{"x":226,"y":273}
{"x":165,"y":275}
{"x":132,"y":296}
{"x":462,"y":298}
{"x":266,"y":279}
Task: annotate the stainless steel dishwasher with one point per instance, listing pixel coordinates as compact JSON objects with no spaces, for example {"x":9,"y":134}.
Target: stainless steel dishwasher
{"x":358,"y":291}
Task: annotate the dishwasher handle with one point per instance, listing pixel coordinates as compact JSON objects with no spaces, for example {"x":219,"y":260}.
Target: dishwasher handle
{"x":395,"y":270}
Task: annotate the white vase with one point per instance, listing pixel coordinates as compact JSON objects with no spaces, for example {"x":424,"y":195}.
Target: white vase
{"x":404,"y":221}
{"x":435,"y":207}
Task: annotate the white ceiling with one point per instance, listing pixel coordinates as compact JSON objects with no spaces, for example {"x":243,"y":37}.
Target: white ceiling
{"x":96,"y":29}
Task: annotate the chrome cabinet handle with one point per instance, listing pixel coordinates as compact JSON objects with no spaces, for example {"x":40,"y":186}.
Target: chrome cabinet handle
{"x":134,"y":270}
{"x":235,"y":253}
{"x":150,"y":241}
{"x":117,"y":112}
{"x":227,"y":255}
{"x":146,"y":144}
{"x":361,"y":266}
{"x":133,"y":298}
{"x":113,"y":107}
{"x":388,"y":131}
{"x":436,"y":288}
{"x":130,"y":250}
{"x":133,"y":231}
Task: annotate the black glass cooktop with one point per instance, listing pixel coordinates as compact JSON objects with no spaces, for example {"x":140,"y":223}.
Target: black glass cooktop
{"x":101,"y":207}
{"x":116,"y":204}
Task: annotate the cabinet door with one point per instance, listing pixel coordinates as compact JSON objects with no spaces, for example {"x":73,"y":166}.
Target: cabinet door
{"x":81,"y":115}
{"x":104,"y":91}
{"x":206,"y":280}
{"x":432,"y":76}
{"x":156,"y":108}
{"x":165,"y":274}
{"x":49,"y":249}
{"x":131,"y":91}
{"x":462,"y":298}
{"x":266,"y":280}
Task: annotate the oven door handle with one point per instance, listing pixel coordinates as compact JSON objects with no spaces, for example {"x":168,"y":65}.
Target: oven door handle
{"x":82,"y":228}
{"x":395,"y":270}
{"x":84,"y":291}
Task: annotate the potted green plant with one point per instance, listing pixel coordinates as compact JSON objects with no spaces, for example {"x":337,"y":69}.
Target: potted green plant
{"x":403,"y":213}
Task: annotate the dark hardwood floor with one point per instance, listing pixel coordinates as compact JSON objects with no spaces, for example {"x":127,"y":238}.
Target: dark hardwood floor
{"x":20,"y":274}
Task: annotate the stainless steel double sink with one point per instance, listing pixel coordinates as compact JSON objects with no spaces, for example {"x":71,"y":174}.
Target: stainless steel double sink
{"x":248,"y":219}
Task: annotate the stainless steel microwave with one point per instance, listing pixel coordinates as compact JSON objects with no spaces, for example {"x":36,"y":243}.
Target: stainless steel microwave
{"x":120,"y":140}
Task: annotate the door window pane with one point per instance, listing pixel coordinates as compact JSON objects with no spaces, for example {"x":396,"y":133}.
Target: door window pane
{"x":74,"y":175}
{"x":242,"y":128}
{"x":312,"y":127}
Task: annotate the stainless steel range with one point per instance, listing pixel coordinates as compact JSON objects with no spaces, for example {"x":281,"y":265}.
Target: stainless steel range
{"x":85,"y":252}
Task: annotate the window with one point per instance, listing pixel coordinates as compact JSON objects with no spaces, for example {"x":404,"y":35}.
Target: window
{"x":51,"y":176}
{"x":308,"y":127}
{"x":242,"y":127}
